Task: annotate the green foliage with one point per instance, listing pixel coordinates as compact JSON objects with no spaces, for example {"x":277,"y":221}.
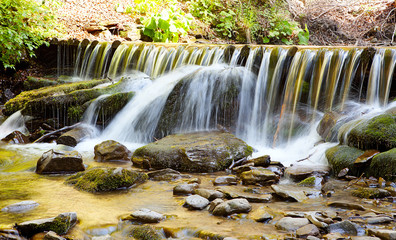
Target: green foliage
{"x":24,"y":26}
{"x":282,"y":28}
{"x":166,"y":26}
{"x":226,"y":24}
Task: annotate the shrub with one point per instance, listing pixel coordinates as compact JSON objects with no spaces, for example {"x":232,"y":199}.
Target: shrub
{"x":24,"y":26}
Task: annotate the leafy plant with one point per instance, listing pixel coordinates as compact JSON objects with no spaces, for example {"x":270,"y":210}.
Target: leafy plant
{"x":227,"y":23}
{"x":24,"y":26}
{"x":166,"y":26}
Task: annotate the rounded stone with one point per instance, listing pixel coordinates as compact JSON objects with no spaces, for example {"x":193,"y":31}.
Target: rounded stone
{"x":196,"y":202}
{"x":147,"y":216}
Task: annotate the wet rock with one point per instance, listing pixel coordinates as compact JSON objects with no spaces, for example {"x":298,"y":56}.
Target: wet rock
{"x":263,"y":161}
{"x":6,"y":234}
{"x":379,"y":220}
{"x":378,"y":133}
{"x":292,"y":192}
{"x":225,"y":180}
{"x":196,"y":202}
{"x":194,"y":152}
{"x":164,"y":175}
{"x":326,"y":125}
{"x":19,"y":207}
{"x":259,"y":176}
{"x":370,"y":193}
{"x":147,"y":216}
{"x":243,"y":168}
{"x":312,"y":218}
{"x":364,"y":238}
{"x":312,"y":238}
{"x":291,"y":224}
{"x":345,"y":227}
{"x":384,"y":234}
{"x":229,"y":207}
{"x":59,"y":162}
{"x":254,"y":197}
{"x":311,"y":182}
{"x":384,"y":165}
{"x":52,"y":236}
{"x":73,"y":137}
{"x":214,"y":204}
{"x":106,"y":179}
{"x":341,"y":156}
{"x":301,"y":172}
{"x":209,"y":194}
{"x":142,"y":232}
{"x":346,"y":205}
{"x":333,"y":236}
{"x":260,"y":215}
{"x":328,"y":188}
{"x":16,"y":137}
{"x":60,"y":225}
{"x":307,"y":230}
{"x":185,"y":189}
{"x":111,"y":151}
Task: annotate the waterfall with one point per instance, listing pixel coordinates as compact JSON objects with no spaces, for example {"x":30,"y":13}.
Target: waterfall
{"x":16,"y":122}
{"x":268,"y":96}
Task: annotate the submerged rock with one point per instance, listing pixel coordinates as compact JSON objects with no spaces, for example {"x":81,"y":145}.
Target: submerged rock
{"x":225,"y":180}
{"x":111,"y":150}
{"x":209,"y":194}
{"x":185,"y":189}
{"x":59,"y":162}
{"x":345,"y":227}
{"x":385,"y":234}
{"x":164,"y":175}
{"x":19,"y":207}
{"x":295,"y":193}
{"x":193,"y":152}
{"x":307,"y":230}
{"x":60,"y":224}
{"x":143,"y":232}
{"x":370,"y":193}
{"x":106,"y":179}
{"x":300,"y":172}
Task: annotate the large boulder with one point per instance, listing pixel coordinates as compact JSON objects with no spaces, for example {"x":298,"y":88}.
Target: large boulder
{"x":111,"y":150}
{"x":106,"y":179}
{"x":384,"y":165}
{"x":342,"y":156}
{"x":60,"y":224}
{"x":376,"y":133}
{"x":193,"y":152}
{"x":59,"y":162}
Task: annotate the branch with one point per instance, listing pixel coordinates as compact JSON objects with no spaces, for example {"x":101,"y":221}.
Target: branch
{"x":56,"y":131}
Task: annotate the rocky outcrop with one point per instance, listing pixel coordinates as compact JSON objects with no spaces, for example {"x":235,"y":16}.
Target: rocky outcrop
{"x":60,"y":224}
{"x":193,"y":152}
{"x":106,"y":179}
{"x":111,"y":150}
{"x":59,"y":162}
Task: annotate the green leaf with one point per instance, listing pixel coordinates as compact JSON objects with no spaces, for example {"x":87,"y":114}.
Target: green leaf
{"x":163,"y":24}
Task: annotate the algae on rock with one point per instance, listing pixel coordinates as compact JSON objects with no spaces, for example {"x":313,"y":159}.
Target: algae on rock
{"x":384,"y":165}
{"x":342,"y":156}
{"x":106,"y":179}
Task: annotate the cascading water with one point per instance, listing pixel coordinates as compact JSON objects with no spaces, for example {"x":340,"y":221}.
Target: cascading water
{"x":270,"y":97}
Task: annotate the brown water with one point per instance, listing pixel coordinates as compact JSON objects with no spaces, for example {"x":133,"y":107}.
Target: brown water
{"x":18,"y":182}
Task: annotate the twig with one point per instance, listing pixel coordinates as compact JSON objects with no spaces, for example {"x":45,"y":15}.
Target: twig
{"x":56,"y":131}
{"x":354,"y":181}
{"x":310,"y":155}
{"x":236,"y":163}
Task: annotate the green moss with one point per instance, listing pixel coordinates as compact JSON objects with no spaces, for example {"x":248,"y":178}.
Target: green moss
{"x":308,"y":182}
{"x":376,"y":133}
{"x":75,"y":112}
{"x":36,"y":82}
{"x":106,"y":179}
{"x":341,"y":156}
{"x":208,"y":235}
{"x":144,"y":232}
{"x":384,"y":165}
{"x":20,"y":101}
{"x":370,"y":193}
{"x":248,"y":150}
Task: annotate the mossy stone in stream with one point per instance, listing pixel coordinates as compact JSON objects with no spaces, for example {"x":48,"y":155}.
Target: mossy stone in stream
{"x":342,"y":156}
{"x":308,"y":182}
{"x":193,"y":152}
{"x":106,"y":179}
{"x":376,"y":133}
{"x":144,"y":232}
{"x":370,"y":193}
{"x":384,"y":165}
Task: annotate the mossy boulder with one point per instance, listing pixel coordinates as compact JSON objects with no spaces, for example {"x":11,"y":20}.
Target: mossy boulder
{"x":60,"y":224}
{"x":376,"y":133}
{"x":111,"y":150}
{"x":384,"y":165}
{"x":342,"y":156}
{"x":193,"y":152}
{"x":370,"y":193}
{"x":106,"y":179}
{"x":19,"y":101}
